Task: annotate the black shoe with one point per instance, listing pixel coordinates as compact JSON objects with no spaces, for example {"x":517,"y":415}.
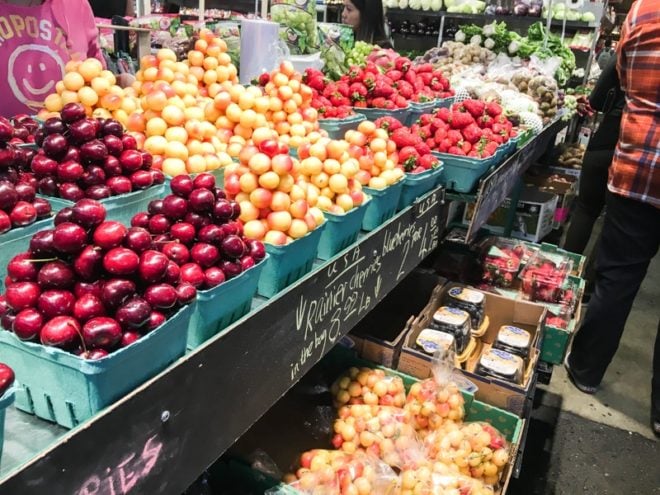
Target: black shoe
{"x":585,"y":389}
{"x":655,"y":426}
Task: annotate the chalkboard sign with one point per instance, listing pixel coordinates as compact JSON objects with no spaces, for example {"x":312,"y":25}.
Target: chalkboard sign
{"x":496,"y":186}
{"x":163,"y":435}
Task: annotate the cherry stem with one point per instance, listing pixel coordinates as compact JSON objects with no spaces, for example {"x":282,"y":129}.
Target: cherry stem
{"x":45,"y":260}
{"x":82,"y":340}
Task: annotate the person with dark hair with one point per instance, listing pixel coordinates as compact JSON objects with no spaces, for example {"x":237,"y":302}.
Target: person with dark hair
{"x":368,"y":21}
{"x":605,"y":54}
{"x":608,"y":98}
{"x":109,"y":8}
{"x":631,"y":231}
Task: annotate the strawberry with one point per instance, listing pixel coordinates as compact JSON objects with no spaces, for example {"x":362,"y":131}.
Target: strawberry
{"x":402,"y":64}
{"x":485,"y":121}
{"x":454,"y":136}
{"x":381,"y":88}
{"x":401,"y":102}
{"x":425,"y":132}
{"x":454,"y":150}
{"x":422,"y":148}
{"x":493,"y":109}
{"x":389,"y":105}
{"x":460,"y":120}
{"x":430,"y":142}
{"x":360,"y":104}
{"x":417,"y":170}
{"x":378,"y":102}
{"x":403,"y":137}
{"x":408,"y":157}
{"x":443,"y":114}
{"x":410,"y":77}
{"x":343,"y":88}
{"x":439,"y":135}
{"x":475,"y":107}
{"x":358,"y":91}
{"x":465,"y":146}
{"x":369,"y":80}
{"x":355,"y":74}
{"x":390,"y":124}
{"x":428,"y":161}
{"x":444,"y":145}
{"x":423,"y":68}
{"x":395,"y":75}
{"x":426,"y":119}
{"x":472,"y":133}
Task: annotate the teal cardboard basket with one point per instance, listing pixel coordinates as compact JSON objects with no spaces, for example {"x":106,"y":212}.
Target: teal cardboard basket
{"x":400,"y":114}
{"x":17,"y":241}
{"x":419,"y":109}
{"x":288,"y":263}
{"x":219,"y":307}
{"x":61,"y":387}
{"x":462,"y":173}
{"x":6,"y":400}
{"x":336,"y":128}
{"x":119,"y":208}
{"x":382,"y":206}
{"x":445,"y":102}
{"x":416,"y":185}
{"x":341,"y":231}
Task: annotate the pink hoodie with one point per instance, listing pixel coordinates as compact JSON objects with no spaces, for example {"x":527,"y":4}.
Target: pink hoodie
{"x":35,"y":44}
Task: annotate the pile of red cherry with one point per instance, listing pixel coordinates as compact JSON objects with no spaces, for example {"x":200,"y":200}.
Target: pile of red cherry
{"x":197,"y":227}
{"x":90,"y":286}
{"x":82,"y":157}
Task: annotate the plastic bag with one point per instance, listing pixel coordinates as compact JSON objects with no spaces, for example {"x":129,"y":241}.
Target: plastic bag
{"x":382,"y":431}
{"x":368,"y":386}
{"x":477,"y":449}
{"x":436,"y":401}
{"x":438,"y":479}
{"x":355,"y":473}
{"x":312,"y":483}
{"x":297,"y":19}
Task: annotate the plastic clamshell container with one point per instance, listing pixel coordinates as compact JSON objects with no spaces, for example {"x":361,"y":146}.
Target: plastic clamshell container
{"x":382,"y":206}
{"x":219,"y":307}
{"x":469,"y":300}
{"x":416,"y":185}
{"x":501,"y":260}
{"x":400,"y":114}
{"x":336,"y":128}
{"x":341,"y":231}
{"x":456,"y":322}
{"x":462,"y":173}
{"x":430,"y":341}
{"x":17,"y":241}
{"x":119,"y":208}
{"x":514,"y":340}
{"x":6,"y":400}
{"x":544,"y":276}
{"x":500,"y":364}
{"x":288,"y":263}
{"x":419,"y":109}
{"x":61,"y":387}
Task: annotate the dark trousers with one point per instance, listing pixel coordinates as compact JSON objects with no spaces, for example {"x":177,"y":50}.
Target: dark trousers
{"x":630,"y":239}
{"x":591,"y":199}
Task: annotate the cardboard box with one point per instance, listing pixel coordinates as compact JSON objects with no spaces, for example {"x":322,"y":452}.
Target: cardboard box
{"x":564,"y":186}
{"x":501,"y":311}
{"x":534,"y":215}
{"x":379,"y":336}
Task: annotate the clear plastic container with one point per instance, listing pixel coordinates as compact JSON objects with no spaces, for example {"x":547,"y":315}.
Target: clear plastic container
{"x":501,"y":260}
{"x":470,"y":300}
{"x":430,"y":341}
{"x":545,"y":276}
{"x":496,"y":363}
{"x":514,"y":340}
{"x":455,"y":322}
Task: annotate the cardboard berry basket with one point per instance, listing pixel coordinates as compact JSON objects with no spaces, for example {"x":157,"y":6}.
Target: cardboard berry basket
{"x":17,"y":241}
{"x":61,"y":387}
{"x":288,"y":263}
{"x":417,"y":109}
{"x":416,"y":185}
{"x":120,"y":208}
{"x":382,"y":206}
{"x":219,"y":307}
{"x":6,"y":400}
{"x":462,"y":173}
{"x":341,"y":231}
{"x":336,"y":128}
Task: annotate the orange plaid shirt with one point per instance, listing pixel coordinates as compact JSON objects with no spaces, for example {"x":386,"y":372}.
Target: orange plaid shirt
{"x":635,"y":170}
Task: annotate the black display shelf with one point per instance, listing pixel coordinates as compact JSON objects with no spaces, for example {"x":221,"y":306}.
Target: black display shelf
{"x":159,"y":438}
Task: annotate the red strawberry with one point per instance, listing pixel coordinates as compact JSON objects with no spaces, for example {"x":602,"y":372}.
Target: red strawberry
{"x":408,"y":157}
{"x":395,"y":75}
{"x":422,"y":148}
{"x":454,"y":150}
{"x":426,"y":119}
{"x":439,"y":135}
{"x":460,"y":120}
{"x":402,"y":64}
{"x":443,"y":114}
{"x":493,"y":109}
{"x":472,"y":133}
{"x":428,"y":161}
{"x":475,"y":107}
{"x":423,"y":68}
{"x":403,"y":137}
